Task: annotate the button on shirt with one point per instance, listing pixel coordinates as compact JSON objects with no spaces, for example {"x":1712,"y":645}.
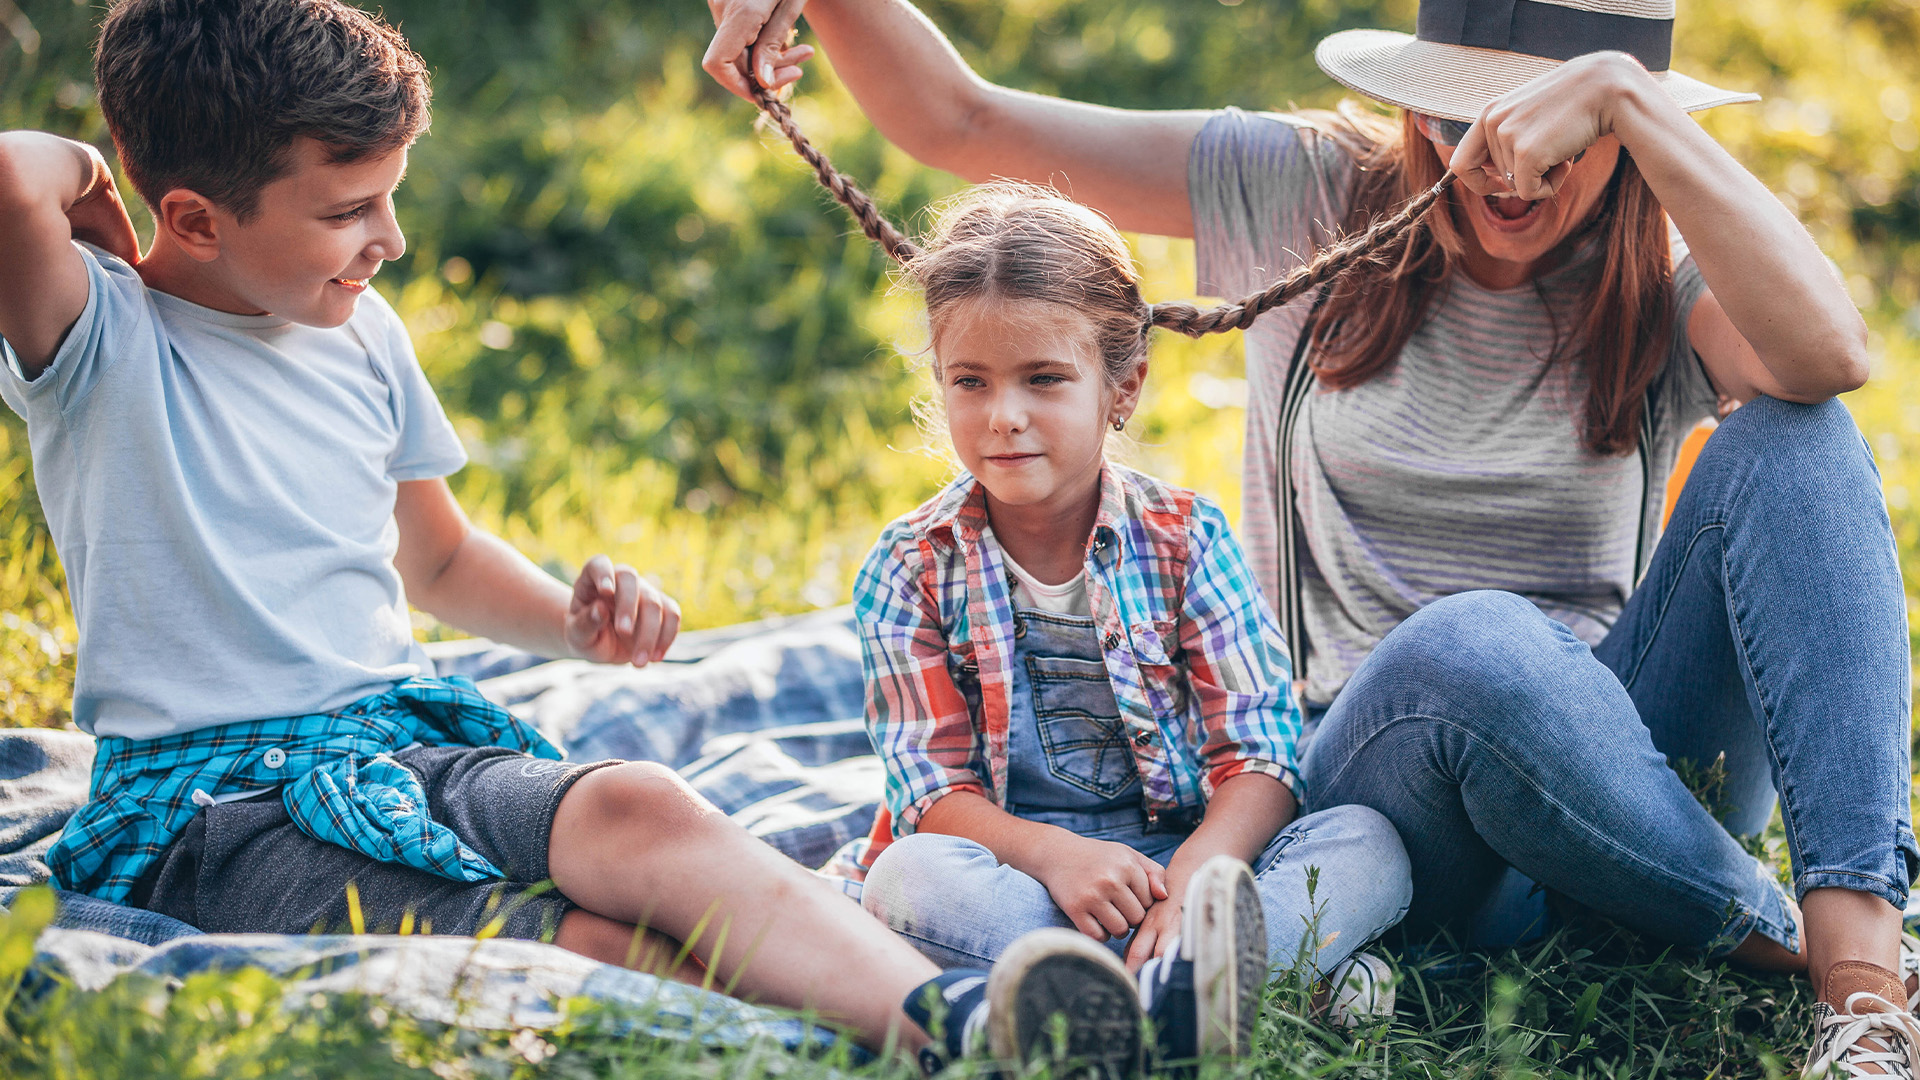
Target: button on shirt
{"x":1196,"y":659}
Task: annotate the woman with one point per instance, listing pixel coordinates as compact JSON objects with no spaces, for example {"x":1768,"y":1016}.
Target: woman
{"x":1457,"y":513}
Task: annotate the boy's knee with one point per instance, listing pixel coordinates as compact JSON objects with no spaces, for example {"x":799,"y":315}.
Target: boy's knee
{"x":636,"y":802}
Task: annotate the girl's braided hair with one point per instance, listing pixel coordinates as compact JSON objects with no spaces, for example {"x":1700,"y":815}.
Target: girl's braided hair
{"x":1028,"y":243}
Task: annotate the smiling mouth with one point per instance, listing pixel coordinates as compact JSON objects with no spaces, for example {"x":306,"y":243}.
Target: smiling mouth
{"x":1010,"y":459}
{"x":1511,"y":210}
{"x":356,"y":284}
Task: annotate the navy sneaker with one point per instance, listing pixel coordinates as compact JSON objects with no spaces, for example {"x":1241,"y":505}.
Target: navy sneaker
{"x":1203,"y":994}
{"x":1054,"y":996}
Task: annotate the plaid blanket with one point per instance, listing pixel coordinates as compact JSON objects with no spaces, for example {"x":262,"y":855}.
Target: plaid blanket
{"x":764,"y":719}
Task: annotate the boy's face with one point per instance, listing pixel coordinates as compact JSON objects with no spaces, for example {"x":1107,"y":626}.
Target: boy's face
{"x":321,"y":233}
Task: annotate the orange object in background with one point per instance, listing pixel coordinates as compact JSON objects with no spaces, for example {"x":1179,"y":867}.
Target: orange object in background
{"x":1682,"y":465}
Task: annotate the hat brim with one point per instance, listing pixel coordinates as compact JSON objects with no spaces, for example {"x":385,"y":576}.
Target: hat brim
{"x":1459,"y":81}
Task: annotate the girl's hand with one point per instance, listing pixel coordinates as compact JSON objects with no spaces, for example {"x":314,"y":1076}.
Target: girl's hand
{"x":1105,"y":888}
{"x":618,"y":617}
{"x":765,"y":27}
{"x":1155,"y":933}
{"x":1534,"y":133}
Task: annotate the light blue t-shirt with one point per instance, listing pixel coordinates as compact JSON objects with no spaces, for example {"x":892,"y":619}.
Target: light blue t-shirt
{"x":221,"y":491}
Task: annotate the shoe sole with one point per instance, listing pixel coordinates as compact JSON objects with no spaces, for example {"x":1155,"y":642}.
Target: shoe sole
{"x":1227,"y":929}
{"x":1059,"y":973}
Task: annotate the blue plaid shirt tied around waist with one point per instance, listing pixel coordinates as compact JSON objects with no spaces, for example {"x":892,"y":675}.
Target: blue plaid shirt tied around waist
{"x":335,"y":772}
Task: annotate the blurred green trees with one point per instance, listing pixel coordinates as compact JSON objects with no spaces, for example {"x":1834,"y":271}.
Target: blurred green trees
{"x":659,"y":339}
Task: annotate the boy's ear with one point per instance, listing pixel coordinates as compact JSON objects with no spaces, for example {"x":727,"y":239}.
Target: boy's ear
{"x":188,"y":219}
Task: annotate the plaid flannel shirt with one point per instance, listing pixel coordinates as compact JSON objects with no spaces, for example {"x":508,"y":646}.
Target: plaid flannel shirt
{"x":333,"y":769}
{"x":1196,"y":658}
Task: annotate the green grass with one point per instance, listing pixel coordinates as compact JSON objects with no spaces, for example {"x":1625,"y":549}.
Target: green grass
{"x":1591,"y":1001}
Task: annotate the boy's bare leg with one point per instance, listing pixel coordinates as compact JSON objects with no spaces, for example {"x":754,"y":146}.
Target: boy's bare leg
{"x":621,"y":944}
{"x":635,"y":844}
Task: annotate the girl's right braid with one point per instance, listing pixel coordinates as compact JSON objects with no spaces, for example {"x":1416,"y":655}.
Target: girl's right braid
{"x":1375,"y":243}
{"x":872,"y":221}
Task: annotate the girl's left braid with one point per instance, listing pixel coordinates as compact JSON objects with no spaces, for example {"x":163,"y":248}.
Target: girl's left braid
{"x":872,"y":221}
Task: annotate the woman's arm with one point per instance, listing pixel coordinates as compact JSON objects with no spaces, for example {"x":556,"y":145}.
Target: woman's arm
{"x":1778,"y":321}
{"x":1129,"y":164}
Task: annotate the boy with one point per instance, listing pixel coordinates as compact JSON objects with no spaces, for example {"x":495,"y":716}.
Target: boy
{"x":243,"y":467}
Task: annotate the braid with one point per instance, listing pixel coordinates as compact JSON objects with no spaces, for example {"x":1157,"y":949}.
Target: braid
{"x":1377,"y":244}
{"x":872,"y":221}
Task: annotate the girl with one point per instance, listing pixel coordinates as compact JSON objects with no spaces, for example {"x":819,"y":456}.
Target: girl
{"x":1078,"y":691}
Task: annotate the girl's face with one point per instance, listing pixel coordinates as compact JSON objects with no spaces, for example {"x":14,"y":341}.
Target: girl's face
{"x":1027,"y":404}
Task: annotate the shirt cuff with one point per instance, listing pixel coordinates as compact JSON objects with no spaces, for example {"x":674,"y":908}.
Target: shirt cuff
{"x":1286,"y":774}
{"x":907,"y":822}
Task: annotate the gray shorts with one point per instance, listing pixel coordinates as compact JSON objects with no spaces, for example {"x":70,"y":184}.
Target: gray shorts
{"x":245,"y":867}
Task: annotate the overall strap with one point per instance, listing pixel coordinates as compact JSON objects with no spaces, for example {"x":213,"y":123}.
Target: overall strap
{"x":1640,"y":547}
{"x":1289,"y":605}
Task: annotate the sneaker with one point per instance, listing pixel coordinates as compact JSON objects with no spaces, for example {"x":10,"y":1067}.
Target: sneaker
{"x":1358,"y":991}
{"x":1057,"y":996}
{"x":1873,"y":1036}
{"x":1203,"y":994}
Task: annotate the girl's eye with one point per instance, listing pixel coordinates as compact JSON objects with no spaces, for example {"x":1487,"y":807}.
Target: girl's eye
{"x":354,"y":214}
{"x":1047,"y":380}
{"x":969,"y":382}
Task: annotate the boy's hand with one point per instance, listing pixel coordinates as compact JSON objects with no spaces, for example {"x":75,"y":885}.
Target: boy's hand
{"x":1104,"y":887}
{"x":618,"y":617}
{"x":100,"y":217}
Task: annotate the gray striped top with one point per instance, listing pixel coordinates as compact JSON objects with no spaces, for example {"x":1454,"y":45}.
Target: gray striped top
{"x":1460,"y":467}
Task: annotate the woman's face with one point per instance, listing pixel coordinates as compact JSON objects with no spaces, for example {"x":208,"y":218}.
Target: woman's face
{"x":1521,"y":231}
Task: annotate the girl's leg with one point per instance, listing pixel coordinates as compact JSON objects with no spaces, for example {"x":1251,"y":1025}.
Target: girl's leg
{"x":1490,"y":736}
{"x":954,"y":901}
{"x":635,"y":844}
{"x":1329,"y":883}
{"x":1771,"y":628}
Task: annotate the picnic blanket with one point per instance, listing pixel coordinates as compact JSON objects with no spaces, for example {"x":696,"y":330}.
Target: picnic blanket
{"x":764,"y":719}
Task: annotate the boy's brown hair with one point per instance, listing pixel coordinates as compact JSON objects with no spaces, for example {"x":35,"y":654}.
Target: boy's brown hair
{"x":210,"y":95}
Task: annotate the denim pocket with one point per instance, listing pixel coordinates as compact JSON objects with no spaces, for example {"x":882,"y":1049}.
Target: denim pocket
{"x":1080,"y":727}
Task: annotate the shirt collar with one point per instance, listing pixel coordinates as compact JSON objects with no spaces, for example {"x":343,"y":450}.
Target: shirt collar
{"x":959,"y":515}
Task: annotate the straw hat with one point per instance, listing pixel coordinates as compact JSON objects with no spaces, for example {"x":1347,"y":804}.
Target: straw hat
{"x":1465,"y":53}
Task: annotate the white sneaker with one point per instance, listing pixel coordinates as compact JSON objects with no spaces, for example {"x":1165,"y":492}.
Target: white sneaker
{"x":1204,"y":992}
{"x":1358,"y":991}
{"x":1910,"y":969}
{"x":1874,"y":1036}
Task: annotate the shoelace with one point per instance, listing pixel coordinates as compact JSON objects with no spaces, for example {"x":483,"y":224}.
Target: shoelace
{"x":1842,"y":1035}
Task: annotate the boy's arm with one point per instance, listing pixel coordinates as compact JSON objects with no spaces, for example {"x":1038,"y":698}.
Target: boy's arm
{"x":469,"y":578}
{"x":52,"y":191}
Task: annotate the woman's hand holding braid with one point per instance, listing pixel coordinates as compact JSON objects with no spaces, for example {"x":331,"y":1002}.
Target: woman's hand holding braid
{"x":764,"y":26}
{"x":1776,"y":320}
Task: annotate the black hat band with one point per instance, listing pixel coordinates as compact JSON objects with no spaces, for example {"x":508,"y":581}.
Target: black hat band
{"x":1548,"y":30}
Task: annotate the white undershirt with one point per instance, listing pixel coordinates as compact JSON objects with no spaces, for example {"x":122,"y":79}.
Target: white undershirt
{"x":1067,"y":598}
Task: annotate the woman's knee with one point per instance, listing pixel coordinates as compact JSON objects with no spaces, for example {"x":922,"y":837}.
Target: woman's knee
{"x":1470,"y":640}
{"x":1786,"y":448}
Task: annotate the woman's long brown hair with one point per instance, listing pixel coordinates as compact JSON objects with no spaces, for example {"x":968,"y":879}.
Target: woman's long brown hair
{"x":1623,"y":335}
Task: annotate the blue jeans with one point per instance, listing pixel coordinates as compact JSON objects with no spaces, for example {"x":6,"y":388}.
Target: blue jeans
{"x":1770,"y":627}
{"x":962,"y":908}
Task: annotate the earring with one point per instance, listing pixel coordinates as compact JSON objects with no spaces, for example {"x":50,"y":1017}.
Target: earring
{"x":1119,"y":425}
